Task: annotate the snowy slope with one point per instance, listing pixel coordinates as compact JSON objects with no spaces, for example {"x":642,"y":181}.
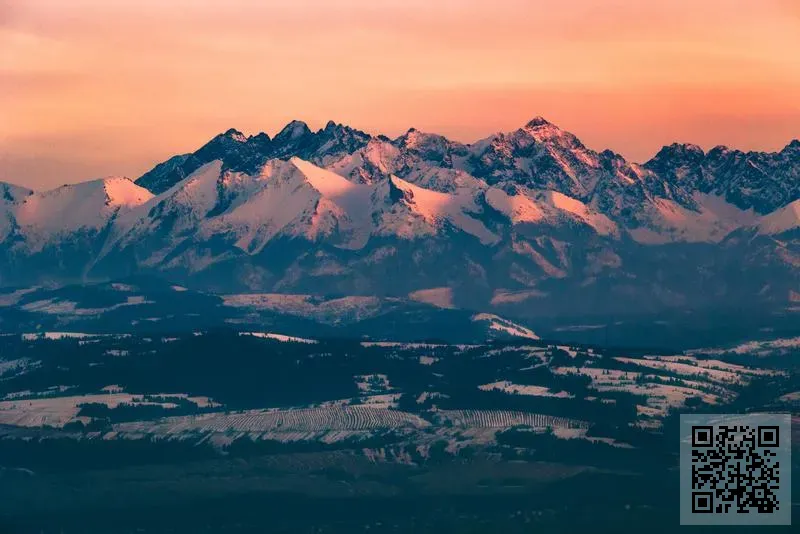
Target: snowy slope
{"x":547,"y":207}
{"x":712,"y":220}
{"x":297,"y":198}
{"x":292,"y":198}
{"x":499,"y":327}
{"x":45,"y":217}
{"x":289,"y":199}
{"x":782,"y":220}
{"x":437,"y":208}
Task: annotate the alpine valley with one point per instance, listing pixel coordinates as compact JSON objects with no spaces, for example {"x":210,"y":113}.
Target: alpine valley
{"x":528,"y":225}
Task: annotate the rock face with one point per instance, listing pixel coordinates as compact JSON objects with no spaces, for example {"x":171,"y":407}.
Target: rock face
{"x":530,"y":222}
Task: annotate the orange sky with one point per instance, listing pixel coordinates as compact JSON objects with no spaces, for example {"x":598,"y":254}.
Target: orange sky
{"x":96,"y":87}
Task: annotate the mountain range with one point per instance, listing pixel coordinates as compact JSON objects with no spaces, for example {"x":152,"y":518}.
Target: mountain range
{"x":529,"y":223}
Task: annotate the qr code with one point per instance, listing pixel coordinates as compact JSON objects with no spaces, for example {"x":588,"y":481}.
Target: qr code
{"x":735,"y":469}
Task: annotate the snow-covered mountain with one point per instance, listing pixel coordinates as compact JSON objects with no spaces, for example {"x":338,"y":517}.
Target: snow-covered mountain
{"x":62,"y":230}
{"x":527,"y":222}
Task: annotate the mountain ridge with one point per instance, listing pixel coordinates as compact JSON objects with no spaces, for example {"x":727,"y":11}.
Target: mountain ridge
{"x":530,"y":212}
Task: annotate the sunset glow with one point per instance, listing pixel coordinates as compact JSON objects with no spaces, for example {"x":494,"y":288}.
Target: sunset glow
{"x":91,"y":87}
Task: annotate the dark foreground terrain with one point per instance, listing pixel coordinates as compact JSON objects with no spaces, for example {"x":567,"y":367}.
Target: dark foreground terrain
{"x":223,"y":432}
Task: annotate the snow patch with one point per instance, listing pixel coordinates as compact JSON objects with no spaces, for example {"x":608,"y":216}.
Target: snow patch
{"x":499,"y":324}
{"x":441,"y":297}
{"x":279,"y":337}
{"x":521,"y":389}
{"x":502,"y":296}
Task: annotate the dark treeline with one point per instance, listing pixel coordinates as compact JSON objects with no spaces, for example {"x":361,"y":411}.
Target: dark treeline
{"x":69,"y":454}
{"x":244,"y":372}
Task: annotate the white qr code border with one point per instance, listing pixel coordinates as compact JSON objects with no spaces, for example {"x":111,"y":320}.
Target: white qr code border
{"x":735,"y":469}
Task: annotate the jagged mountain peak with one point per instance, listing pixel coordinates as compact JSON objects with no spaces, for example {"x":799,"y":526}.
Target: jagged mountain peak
{"x":549,"y":138}
{"x":678,"y":163}
{"x":236,"y":135}
{"x":792,"y":146}
{"x":543,"y":131}
{"x":539,"y":155}
{"x":764,"y":181}
{"x":415,"y":135}
{"x":260,"y":137}
{"x":320,"y":147}
{"x":689,"y":149}
{"x":718,"y":151}
{"x":228,"y":138}
{"x":677,"y":154}
{"x":292,"y":131}
{"x":430,"y":146}
{"x":340,"y":131}
{"x":538,"y":122}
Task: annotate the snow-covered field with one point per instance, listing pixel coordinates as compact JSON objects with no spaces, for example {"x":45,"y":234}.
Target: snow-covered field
{"x":521,"y":389}
{"x":661,"y":394}
{"x":665,"y":383}
{"x":56,"y":335}
{"x":58,"y":411}
{"x":82,"y":336}
{"x":686,"y":369}
{"x":758,"y":348}
{"x":506,"y":419}
{"x":324,"y":419}
{"x":341,"y":421}
{"x":412,"y":346}
{"x":66,"y":307}
{"x":714,"y":370}
{"x":279,"y":337}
